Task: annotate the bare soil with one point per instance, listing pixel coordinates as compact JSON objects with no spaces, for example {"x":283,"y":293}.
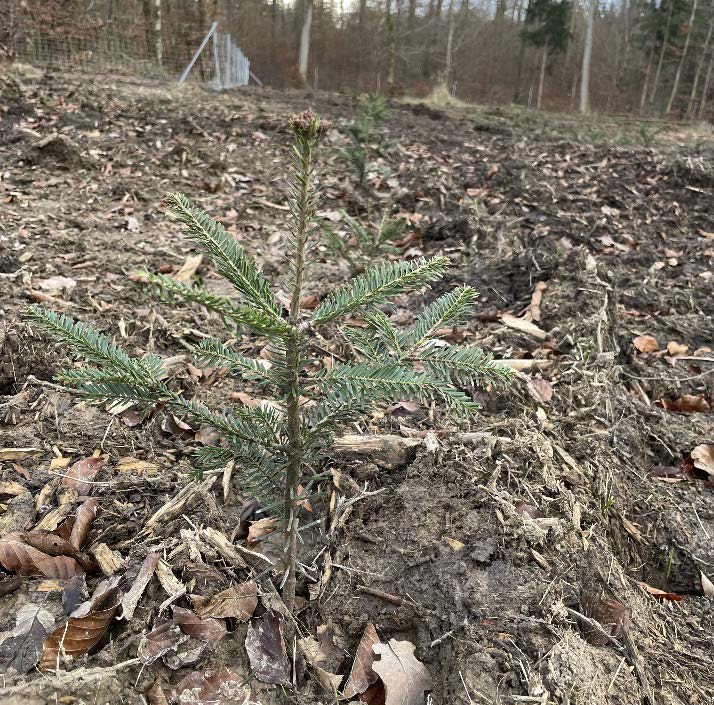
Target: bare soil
{"x":492,"y":598}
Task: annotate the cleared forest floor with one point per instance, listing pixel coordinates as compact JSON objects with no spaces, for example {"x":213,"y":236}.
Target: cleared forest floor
{"x":580,"y":496}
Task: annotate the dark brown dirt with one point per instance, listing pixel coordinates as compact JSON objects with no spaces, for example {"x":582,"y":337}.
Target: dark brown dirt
{"x":621,"y":236}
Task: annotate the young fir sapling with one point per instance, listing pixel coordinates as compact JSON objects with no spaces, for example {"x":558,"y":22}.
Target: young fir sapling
{"x":276,"y":449}
{"x":362,"y":135}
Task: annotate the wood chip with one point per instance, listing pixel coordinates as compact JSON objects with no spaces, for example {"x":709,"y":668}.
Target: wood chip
{"x":524,"y":326}
{"x":109,"y":561}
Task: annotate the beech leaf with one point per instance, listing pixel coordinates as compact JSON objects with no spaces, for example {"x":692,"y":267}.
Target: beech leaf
{"x":238,"y":602}
{"x":362,"y":675}
{"x":80,"y":475}
{"x":164,"y":637}
{"x":86,"y":513}
{"x":208,"y":630}
{"x":84,"y":629}
{"x":22,"y":649}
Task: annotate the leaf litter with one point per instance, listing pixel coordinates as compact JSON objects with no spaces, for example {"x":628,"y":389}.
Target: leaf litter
{"x":555,"y":206}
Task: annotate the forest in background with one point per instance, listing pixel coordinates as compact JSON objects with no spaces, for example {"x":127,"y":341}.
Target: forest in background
{"x":646,"y":57}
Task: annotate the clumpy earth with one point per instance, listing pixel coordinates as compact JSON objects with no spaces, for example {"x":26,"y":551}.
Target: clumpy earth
{"x":496,"y":553}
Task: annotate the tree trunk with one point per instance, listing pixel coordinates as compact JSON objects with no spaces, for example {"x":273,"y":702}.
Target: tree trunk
{"x":541,"y":80}
{"x":645,"y":84}
{"x":705,"y":90}
{"x":449,"y":47}
{"x":678,"y":75}
{"x":391,"y":48}
{"x":665,"y":42}
{"x":519,"y":72}
{"x":149,"y":28}
{"x":360,"y":38}
{"x":700,"y":63}
{"x":305,"y":42}
{"x":587,"y":55}
{"x":157,"y":35}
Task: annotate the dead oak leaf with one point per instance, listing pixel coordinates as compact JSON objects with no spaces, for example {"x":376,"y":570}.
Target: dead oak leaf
{"x":405,"y":678}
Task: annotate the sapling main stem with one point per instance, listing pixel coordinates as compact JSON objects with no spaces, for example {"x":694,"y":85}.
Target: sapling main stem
{"x":306,"y":128}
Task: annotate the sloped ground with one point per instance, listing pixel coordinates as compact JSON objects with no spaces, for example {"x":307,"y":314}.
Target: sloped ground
{"x":489,"y":550}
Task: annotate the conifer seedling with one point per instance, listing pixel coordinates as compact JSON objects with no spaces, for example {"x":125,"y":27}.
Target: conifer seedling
{"x":276,"y":451}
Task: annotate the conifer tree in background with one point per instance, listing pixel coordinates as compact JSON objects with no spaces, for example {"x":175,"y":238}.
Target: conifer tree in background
{"x":277,"y":448}
{"x":547,"y":28}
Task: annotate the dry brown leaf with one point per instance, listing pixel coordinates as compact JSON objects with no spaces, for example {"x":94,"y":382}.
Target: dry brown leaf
{"x":646,"y":343}
{"x":209,"y":630}
{"x":87,"y":512}
{"x":188,"y":269}
{"x":84,"y":629}
{"x":266,"y":650}
{"x":405,"y":678}
{"x":260,"y":528}
{"x":703,"y":458}
{"x":18,"y":556}
{"x":362,"y":675}
{"x":238,"y":602}
{"x":131,"y":598}
{"x":164,"y":637}
{"x":541,"y":389}
{"x":79,"y":477}
{"x":686,"y":404}
{"x":661,"y":594}
{"x":22,"y":647}
{"x":155,"y":695}
{"x":676,"y":349}
{"x":211,"y":686}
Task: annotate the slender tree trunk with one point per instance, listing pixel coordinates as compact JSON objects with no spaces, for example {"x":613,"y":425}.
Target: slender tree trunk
{"x":645,"y":83}
{"x":541,"y":80}
{"x":360,"y":38}
{"x":700,"y":63}
{"x":705,"y":90}
{"x":149,"y":27}
{"x":449,"y":47}
{"x":157,"y":33}
{"x":305,"y":42}
{"x":519,"y":72}
{"x":587,"y":55}
{"x":391,"y":48}
{"x":678,"y":75}
{"x":665,"y":43}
